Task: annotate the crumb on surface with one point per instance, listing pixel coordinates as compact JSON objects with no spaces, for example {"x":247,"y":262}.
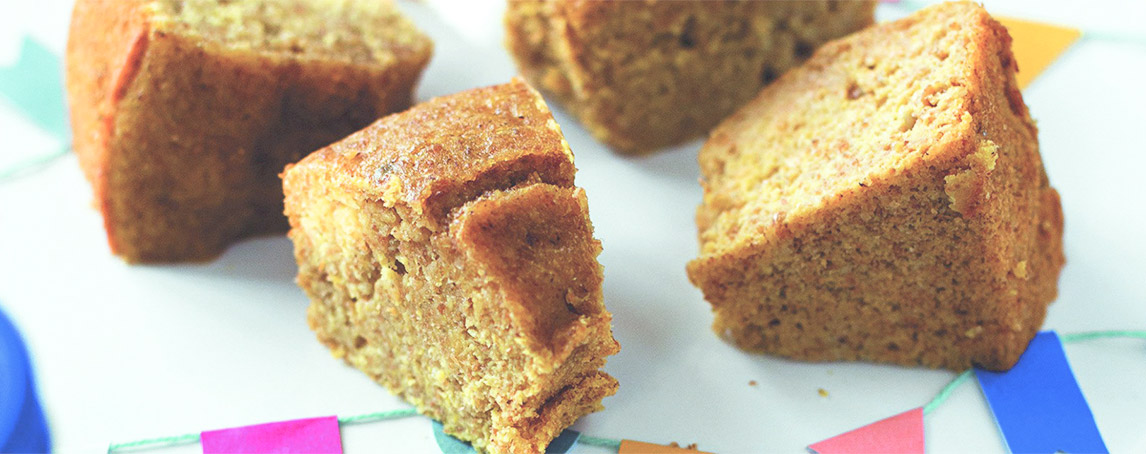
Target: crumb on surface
{"x":822,"y":392}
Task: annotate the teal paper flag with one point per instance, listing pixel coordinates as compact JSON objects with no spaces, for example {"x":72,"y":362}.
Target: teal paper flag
{"x":34,"y":86}
{"x":451,"y":445}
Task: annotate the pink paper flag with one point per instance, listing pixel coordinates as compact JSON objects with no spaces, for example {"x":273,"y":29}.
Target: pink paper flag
{"x":312,"y":435}
{"x":902,"y":433}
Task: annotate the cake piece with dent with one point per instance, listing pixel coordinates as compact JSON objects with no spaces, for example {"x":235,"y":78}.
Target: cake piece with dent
{"x":449,"y":256}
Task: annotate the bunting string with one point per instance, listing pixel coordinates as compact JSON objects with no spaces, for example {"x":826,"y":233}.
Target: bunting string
{"x":1066,"y":338}
{"x":32,"y":164}
{"x":609,"y":443}
{"x":1029,"y":422}
{"x":152,"y":443}
{"x":946,"y":392}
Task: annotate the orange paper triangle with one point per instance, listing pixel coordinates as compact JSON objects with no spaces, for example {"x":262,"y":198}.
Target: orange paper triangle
{"x":640,"y":447}
{"x":1036,"y":45}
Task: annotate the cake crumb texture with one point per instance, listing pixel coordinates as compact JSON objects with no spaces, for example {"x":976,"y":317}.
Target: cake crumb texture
{"x":642,"y":75}
{"x":886,"y":201}
{"x":449,"y":256}
{"x":185,"y":111}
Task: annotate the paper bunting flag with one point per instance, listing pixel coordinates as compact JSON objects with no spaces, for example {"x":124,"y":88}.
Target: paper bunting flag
{"x":1038,"y":405}
{"x":564,"y":442}
{"x":902,"y":433}
{"x":313,"y":435}
{"x":450,"y":445}
{"x":35,"y":87}
{"x":1036,"y":45}
{"x":640,"y":447}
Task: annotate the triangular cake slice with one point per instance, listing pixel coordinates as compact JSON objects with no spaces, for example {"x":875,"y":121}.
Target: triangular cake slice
{"x":449,"y":256}
{"x":886,"y":201}
{"x":185,"y":111}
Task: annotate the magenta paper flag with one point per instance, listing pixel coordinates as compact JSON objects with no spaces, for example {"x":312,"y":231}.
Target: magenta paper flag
{"x":902,"y":433}
{"x":312,"y":435}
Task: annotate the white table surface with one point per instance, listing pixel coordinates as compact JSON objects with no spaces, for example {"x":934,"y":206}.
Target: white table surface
{"x":126,"y":352}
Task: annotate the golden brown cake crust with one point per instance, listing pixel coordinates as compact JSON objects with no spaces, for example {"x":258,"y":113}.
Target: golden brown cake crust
{"x":99,"y":69}
{"x":182,"y":136}
{"x":450,"y":147}
{"x":645,"y":75}
{"x":885,"y":201}
{"x":448,"y":255}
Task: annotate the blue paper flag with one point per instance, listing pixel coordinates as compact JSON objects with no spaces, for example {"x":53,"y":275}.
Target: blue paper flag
{"x":451,"y":445}
{"x":1038,"y":405}
{"x":35,"y":87}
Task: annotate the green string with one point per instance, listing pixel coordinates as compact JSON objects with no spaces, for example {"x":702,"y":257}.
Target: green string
{"x":1075,"y":337}
{"x":152,"y":443}
{"x":30,"y":164}
{"x":1066,"y":338}
{"x":946,"y":392}
{"x":379,"y":416}
{"x":610,"y":443}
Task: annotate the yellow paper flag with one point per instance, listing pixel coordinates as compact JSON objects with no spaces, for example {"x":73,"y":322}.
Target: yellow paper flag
{"x":1037,"y":45}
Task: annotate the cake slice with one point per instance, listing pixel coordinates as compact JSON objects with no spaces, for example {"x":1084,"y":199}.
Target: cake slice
{"x":885,"y":201}
{"x":185,"y":111}
{"x":645,"y":75}
{"x":449,"y":256}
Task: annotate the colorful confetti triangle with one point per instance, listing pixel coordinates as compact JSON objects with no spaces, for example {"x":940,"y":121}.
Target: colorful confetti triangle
{"x":1036,"y":45}
{"x":312,"y":435}
{"x":902,"y":433}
